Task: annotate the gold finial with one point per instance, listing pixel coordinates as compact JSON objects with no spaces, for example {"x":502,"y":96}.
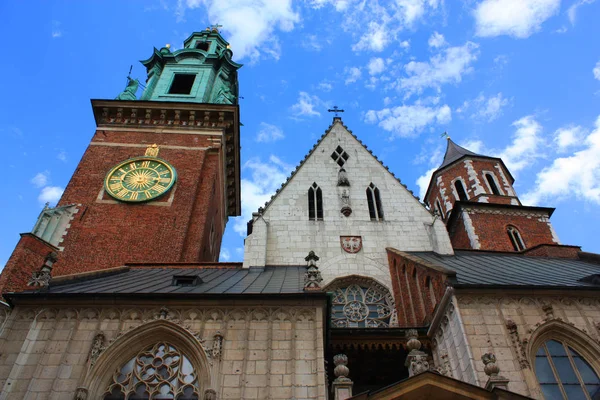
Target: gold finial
{"x":152,"y":150}
{"x":168,"y":46}
{"x":229,"y":46}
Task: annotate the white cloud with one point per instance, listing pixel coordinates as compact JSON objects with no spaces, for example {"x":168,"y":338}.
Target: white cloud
{"x":436,"y":40}
{"x":56,"y":31}
{"x":305,"y":107}
{"x":568,"y":137}
{"x":250,"y":24}
{"x":352,"y":74}
{"x":476,"y":146}
{"x":406,"y":121}
{"x":526,"y":145}
{"x":260,"y":182}
{"x":225,"y":255}
{"x":325,"y":86}
{"x":448,"y":66}
{"x":517,"y":18}
{"x":269,"y":133}
{"x":577,"y":175}
{"x":423,"y":182}
{"x":312,"y":42}
{"x":596,"y":71}
{"x":376,"y":66}
{"x":62,"y":156}
{"x":50,"y":194}
{"x":375,"y":39}
{"x":41,"y":179}
{"x":572,"y":11}
{"x":485,"y":109}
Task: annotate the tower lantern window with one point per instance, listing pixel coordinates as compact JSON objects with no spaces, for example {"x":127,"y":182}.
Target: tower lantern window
{"x":182,"y":84}
{"x":202,"y":45}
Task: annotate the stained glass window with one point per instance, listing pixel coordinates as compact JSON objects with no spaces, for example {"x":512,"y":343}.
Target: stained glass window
{"x":361,"y":306}
{"x":564,"y":374}
{"x":159,"y":372}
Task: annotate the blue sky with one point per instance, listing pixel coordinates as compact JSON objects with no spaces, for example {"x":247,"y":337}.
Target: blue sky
{"x":519,"y":79}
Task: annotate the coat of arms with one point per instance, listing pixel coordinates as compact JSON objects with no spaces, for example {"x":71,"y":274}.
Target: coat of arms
{"x":351,"y":244}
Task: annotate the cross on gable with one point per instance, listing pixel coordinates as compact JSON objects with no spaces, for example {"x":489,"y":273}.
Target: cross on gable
{"x":335,"y":110}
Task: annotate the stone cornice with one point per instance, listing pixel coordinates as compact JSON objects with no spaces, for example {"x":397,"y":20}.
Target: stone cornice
{"x":222,"y":118}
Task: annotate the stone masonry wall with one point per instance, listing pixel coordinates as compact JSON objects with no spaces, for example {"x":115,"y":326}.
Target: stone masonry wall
{"x":288,"y":234}
{"x":267,"y":352}
{"x":505,"y":324}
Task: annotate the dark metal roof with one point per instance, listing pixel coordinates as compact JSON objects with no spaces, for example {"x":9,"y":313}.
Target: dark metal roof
{"x":268,"y":280}
{"x":454,"y":152}
{"x":501,"y":269}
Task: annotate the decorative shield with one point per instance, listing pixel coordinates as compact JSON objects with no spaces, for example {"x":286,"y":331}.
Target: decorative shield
{"x":351,"y":244}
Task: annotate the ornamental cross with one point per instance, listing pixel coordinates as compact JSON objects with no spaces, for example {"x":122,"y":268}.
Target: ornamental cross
{"x":215,"y":27}
{"x":335,"y":110}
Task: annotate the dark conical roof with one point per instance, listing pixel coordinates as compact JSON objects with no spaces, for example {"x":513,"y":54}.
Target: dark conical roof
{"x":454,"y":152}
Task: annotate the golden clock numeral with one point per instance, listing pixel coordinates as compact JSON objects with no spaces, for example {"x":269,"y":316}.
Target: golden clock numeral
{"x":145,"y":164}
{"x":165,"y":180}
{"x":116,"y":186}
{"x":134,"y":196}
{"x":147,"y":193}
{"x":122,"y":170}
{"x":132,"y":165}
{"x":164,"y":172}
{"x":122,"y":193}
{"x":158,"y":188}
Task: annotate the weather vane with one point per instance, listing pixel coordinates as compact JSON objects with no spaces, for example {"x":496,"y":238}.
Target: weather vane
{"x":335,"y":110}
{"x":445,"y":134}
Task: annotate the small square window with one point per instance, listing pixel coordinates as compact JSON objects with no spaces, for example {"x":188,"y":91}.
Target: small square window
{"x":202,"y":45}
{"x":186,"y":280}
{"x":182,"y":84}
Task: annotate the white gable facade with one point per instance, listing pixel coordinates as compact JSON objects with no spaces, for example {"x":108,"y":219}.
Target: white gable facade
{"x":283,"y":233}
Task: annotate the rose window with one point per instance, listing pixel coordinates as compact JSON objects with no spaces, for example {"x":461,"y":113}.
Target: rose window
{"x":361,"y":306}
{"x":160,"y":372}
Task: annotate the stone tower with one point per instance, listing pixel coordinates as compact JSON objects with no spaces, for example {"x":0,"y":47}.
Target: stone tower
{"x":160,"y":177}
{"x":474,"y":195}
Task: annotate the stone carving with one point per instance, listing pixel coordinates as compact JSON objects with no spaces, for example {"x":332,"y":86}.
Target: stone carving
{"x":43,"y":277}
{"x":217,"y":348}
{"x":312,"y":276}
{"x":346,"y":210}
{"x":351,"y":244}
{"x":210,"y":394}
{"x":492,"y":370}
{"x":130,"y":90}
{"x":445,"y":368}
{"x":341,"y":370}
{"x":98,"y":346}
{"x":81,"y":393}
{"x":343,"y":178}
{"x":548,"y":310}
{"x":518,"y":344}
{"x":416,"y":361}
{"x":225,"y":94}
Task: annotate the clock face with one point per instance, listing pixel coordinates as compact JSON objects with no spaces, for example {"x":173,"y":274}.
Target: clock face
{"x":140,"y":179}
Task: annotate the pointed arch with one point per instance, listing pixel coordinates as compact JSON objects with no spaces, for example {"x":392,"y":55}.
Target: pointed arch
{"x":118,"y":353}
{"x":576,"y":344}
{"x":515,"y":238}
{"x":315,"y":203}
{"x":492,"y":183}
{"x":460,"y":190}
{"x":374,"y":202}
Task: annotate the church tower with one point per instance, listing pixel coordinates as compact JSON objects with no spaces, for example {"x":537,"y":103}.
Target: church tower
{"x":160,"y":177}
{"x":474,"y":195}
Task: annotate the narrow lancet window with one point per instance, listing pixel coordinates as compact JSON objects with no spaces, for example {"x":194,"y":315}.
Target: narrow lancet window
{"x":374,"y":201}
{"x":315,"y":203}
{"x":460,"y":190}
{"x":492,"y":183}
{"x":515,"y":238}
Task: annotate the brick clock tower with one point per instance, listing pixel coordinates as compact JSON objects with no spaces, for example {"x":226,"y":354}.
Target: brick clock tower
{"x":159,"y":179}
{"x":474,"y":195}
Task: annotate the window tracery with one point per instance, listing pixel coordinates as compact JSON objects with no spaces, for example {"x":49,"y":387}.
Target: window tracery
{"x":361,"y":305}
{"x":564,"y":374}
{"x":159,"y":372}
{"x":515,"y":238}
{"x":374,"y":202}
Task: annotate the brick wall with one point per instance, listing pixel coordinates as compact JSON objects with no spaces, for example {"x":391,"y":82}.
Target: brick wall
{"x":27,"y":257}
{"x":175,"y":227}
{"x":417,"y":290}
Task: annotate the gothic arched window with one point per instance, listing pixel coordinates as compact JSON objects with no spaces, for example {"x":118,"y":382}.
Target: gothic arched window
{"x":374,"y":201}
{"x":460,"y":190}
{"x":492,"y":183}
{"x":158,"y":372}
{"x":361,"y":305}
{"x":515,"y":238}
{"x":564,"y":374}
{"x":315,"y":203}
